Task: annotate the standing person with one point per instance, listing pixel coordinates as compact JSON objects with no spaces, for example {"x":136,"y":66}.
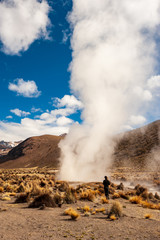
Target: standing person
{"x":106,"y":184}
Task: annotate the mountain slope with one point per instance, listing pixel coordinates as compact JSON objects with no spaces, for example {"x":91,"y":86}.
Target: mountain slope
{"x":139,"y":148}
{"x":35,"y":151}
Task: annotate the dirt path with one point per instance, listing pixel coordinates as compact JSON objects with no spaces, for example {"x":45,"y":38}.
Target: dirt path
{"x":21,"y":223}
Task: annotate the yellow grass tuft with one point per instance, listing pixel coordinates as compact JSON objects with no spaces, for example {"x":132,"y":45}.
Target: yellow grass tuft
{"x":86,"y":208}
{"x":135,"y":199}
{"x":116,"y":195}
{"x":104,"y":200}
{"x":88,"y":195}
{"x":74,"y":214}
{"x":68,"y":211}
{"x":147,"y":216}
{"x":5,"y":198}
{"x":1,"y":189}
{"x":12,"y":194}
{"x":112,"y":217}
{"x":116,"y":209}
{"x":100,"y":210}
{"x":147,"y":204}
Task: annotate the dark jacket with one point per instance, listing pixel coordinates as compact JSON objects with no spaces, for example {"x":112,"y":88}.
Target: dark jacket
{"x":106,"y":183}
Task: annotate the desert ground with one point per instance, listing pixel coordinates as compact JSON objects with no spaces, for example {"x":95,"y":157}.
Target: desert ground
{"x":35,"y":205}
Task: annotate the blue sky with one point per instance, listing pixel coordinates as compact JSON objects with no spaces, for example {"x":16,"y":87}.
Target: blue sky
{"x":45,"y":62}
{"x":35,"y":55}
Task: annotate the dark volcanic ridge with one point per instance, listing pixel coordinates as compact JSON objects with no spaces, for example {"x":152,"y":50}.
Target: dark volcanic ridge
{"x":138,"y":148}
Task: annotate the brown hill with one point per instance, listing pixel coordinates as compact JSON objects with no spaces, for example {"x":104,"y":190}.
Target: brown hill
{"x":35,"y":151}
{"x":138,"y":148}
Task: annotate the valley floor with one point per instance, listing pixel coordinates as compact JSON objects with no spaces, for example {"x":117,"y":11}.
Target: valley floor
{"x":21,"y":223}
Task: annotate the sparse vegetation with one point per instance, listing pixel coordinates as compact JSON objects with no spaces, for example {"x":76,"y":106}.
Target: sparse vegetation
{"x":147,"y":216}
{"x":112,"y":217}
{"x":22,"y":198}
{"x":135,"y":199}
{"x":43,"y":199}
{"x":116,"y":209}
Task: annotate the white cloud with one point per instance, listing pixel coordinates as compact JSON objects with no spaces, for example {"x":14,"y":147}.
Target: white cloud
{"x":24,"y":88}
{"x":9,"y":117}
{"x":68,"y":101}
{"x":54,"y":122}
{"x":63,"y":121}
{"x":34,"y":110}
{"x":154,"y":82}
{"x":21,"y":23}
{"x":27,"y":128}
{"x":19,"y":112}
{"x":137,"y":120}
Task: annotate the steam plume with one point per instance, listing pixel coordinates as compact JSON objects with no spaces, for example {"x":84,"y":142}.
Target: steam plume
{"x":114,"y":54}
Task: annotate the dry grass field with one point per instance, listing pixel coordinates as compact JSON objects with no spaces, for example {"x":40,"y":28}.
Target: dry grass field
{"x":35,"y":205}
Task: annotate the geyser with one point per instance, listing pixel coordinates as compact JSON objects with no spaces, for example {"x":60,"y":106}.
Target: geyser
{"x":114,"y":54}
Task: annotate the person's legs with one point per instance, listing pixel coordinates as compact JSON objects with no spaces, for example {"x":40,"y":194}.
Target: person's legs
{"x":107,"y":193}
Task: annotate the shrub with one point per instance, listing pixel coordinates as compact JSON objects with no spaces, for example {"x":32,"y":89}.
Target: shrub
{"x":100,"y":210}
{"x":139,"y":189}
{"x":157,"y":196}
{"x":1,"y":189}
{"x":22,"y":198}
{"x":74,"y":214}
{"x":112,"y":217}
{"x":69,"y":197}
{"x":58,"y":200}
{"x":87,"y":195}
{"x":63,"y":187}
{"x":21,"y":188}
{"x":36,"y":189}
{"x":135,"y":199}
{"x":116,"y":209}
{"x":6,"y":198}
{"x":147,"y":216}
{"x":120,"y":186}
{"x":67,"y":211}
{"x":86,"y":208}
{"x":124,"y":195}
{"x":104,"y":200}
{"x":116,"y":195}
{"x":43,"y":199}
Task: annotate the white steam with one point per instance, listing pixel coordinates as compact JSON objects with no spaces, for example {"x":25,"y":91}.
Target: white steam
{"x":114,"y":53}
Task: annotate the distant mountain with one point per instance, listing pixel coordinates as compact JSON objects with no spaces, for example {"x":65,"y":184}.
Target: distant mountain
{"x":42,"y":151}
{"x":6,"y":145}
{"x":139,"y":148}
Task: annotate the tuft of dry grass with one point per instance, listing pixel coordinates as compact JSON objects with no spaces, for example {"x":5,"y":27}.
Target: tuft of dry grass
{"x":87,"y":195}
{"x":69,"y":196}
{"x":147,"y":204}
{"x":116,"y":209}
{"x":104,"y":200}
{"x":1,"y":189}
{"x":23,"y":198}
{"x":100,"y":209}
{"x":71,"y":212}
{"x":135,"y":199}
{"x":74,"y":214}
{"x":112,"y":217}
{"x":115,"y":195}
{"x":86,"y":208}
{"x":43,"y":199}
{"x":68,"y":211}
{"x":5,"y":198}
{"x":147,"y":216}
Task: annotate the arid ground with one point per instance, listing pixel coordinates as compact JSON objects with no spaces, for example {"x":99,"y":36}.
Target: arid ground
{"x":136,"y":216}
